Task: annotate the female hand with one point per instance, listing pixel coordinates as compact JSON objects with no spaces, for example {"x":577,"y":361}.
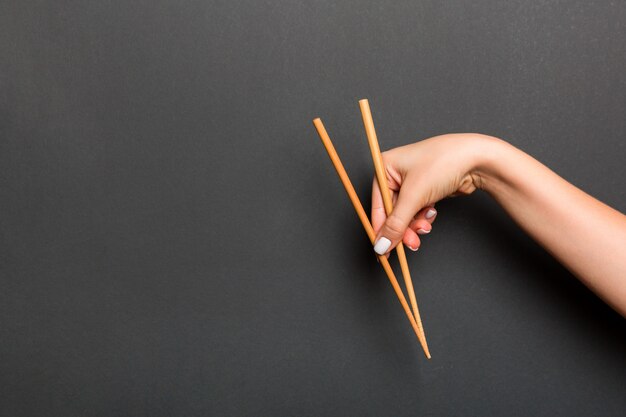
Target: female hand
{"x":419,"y":175}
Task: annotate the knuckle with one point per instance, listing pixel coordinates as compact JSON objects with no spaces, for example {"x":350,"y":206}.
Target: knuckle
{"x":395,"y":226}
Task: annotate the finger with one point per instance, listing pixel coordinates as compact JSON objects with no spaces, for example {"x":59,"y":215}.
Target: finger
{"x":420,"y":226}
{"x":422,"y":222}
{"x":411,"y":240}
{"x":428,"y":213}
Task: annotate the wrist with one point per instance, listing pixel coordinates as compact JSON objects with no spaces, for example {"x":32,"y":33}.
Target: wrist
{"x":491,"y":158}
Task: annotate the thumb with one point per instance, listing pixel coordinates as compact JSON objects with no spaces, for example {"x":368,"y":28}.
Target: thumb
{"x":391,"y":233}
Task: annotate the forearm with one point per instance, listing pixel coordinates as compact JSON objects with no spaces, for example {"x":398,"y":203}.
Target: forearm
{"x":585,"y":235}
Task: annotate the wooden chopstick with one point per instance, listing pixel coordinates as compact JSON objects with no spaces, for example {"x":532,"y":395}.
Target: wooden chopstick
{"x":368,"y":122}
{"x":354,"y":198}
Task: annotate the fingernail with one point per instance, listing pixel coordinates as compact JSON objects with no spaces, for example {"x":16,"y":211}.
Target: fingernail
{"x":430,"y":213}
{"x":423,"y":231}
{"x":414,"y":249}
{"x":382,"y":245}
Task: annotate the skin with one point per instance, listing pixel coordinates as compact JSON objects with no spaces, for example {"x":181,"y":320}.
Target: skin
{"x":585,"y":235}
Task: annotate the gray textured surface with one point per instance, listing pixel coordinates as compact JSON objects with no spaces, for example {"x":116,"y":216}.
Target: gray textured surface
{"x":174,"y":240}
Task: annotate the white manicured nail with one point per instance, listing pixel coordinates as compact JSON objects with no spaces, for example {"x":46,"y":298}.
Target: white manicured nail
{"x":413,"y":249}
{"x":430,"y":213}
{"x":382,"y":245}
{"x":423,"y":231}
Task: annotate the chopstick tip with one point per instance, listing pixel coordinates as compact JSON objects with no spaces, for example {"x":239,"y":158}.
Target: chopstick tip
{"x":426,"y":350}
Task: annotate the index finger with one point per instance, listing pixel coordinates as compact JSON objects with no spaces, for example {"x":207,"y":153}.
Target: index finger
{"x":378,"y":208}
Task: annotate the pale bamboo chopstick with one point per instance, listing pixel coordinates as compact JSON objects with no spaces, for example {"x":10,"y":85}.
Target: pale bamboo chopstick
{"x":343,"y":176}
{"x":368,"y":122}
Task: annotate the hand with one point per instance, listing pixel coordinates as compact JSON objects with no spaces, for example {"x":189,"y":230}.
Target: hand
{"x":419,"y":175}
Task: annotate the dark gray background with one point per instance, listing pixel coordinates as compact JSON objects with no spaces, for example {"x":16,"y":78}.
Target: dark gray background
{"x":174,"y":240}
